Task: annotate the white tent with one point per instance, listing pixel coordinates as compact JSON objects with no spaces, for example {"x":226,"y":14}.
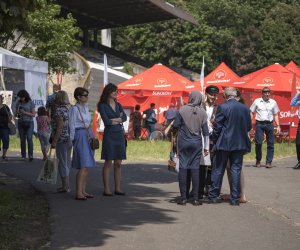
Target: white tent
{"x":35,"y":73}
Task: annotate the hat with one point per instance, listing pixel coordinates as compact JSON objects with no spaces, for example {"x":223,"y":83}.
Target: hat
{"x":211,"y":89}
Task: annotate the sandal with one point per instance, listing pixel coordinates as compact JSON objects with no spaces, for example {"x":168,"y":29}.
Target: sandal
{"x":63,"y":190}
{"x":81,"y":198}
{"x":89,"y":196}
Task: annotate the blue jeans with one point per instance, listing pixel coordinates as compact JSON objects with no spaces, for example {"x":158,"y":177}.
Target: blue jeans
{"x":26,"y":134}
{"x":150,"y":129}
{"x":4,"y":136}
{"x":219,"y":164}
{"x":260,"y":130}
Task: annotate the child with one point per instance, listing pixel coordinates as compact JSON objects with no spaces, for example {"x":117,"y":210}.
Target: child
{"x":43,"y":132}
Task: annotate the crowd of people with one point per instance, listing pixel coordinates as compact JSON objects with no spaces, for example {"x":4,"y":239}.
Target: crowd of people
{"x":211,"y":138}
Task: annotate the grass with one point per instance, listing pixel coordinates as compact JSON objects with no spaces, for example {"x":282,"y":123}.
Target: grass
{"x":158,"y":151}
{"x":23,"y":216}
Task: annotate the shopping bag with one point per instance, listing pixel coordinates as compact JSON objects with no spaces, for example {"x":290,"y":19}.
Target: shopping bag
{"x":48,"y":173}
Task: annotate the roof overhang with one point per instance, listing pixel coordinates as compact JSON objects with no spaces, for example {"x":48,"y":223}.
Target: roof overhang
{"x":105,"y":14}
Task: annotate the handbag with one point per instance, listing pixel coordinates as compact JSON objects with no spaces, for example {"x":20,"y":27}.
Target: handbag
{"x":173,"y":162}
{"x":48,"y":173}
{"x":11,"y":125}
{"x":94,"y":142}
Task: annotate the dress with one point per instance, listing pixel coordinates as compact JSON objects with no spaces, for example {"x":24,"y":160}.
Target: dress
{"x":113,"y":145}
{"x":189,"y":145}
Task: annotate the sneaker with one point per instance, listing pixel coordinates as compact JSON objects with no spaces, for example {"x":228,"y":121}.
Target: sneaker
{"x":297,"y":166}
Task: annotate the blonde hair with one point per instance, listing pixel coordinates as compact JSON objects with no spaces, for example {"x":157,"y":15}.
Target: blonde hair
{"x":61,"y":97}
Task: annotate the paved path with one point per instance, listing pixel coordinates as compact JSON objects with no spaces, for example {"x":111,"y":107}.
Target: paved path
{"x":148,"y":218}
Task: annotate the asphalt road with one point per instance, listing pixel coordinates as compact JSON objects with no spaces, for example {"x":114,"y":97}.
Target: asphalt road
{"x":148,"y":218}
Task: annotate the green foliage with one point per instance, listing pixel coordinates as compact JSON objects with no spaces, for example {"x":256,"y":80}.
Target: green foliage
{"x":44,"y":35}
{"x":13,"y":16}
{"x":245,"y":34}
{"x":53,"y":37}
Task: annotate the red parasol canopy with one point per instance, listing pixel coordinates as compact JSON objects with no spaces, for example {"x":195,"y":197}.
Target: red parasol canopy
{"x":222,"y":76}
{"x":158,"y":81}
{"x":275,"y":76}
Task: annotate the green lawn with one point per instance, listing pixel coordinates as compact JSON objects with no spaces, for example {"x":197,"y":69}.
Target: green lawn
{"x":158,"y":151}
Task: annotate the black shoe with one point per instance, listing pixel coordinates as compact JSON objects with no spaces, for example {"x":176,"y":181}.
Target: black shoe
{"x":297,"y":166}
{"x":234,"y":203}
{"x":119,"y":193}
{"x":106,"y":194}
{"x":196,"y":203}
{"x":182,"y":202}
{"x":30,"y":159}
{"x":214,"y":201}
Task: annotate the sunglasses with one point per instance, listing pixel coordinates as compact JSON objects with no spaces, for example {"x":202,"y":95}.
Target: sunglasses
{"x":86,"y":95}
{"x":266,"y":91}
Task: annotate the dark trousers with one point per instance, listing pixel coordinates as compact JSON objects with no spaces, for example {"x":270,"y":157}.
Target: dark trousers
{"x":260,"y":130}
{"x":204,"y":179}
{"x":236,"y":161}
{"x":137,"y":132}
{"x":184,"y":182}
{"x":298,"y":142}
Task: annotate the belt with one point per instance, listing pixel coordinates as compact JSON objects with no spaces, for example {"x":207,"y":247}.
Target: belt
{"x":264,"y":122}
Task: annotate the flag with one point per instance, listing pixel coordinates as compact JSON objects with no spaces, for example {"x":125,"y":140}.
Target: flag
{"x":105,"y":74}
{"x":202,"y":76}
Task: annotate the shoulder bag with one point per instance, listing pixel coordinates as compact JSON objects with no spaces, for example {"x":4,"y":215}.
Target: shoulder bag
{"x":94,"y":142}
{"x":11,"y":125}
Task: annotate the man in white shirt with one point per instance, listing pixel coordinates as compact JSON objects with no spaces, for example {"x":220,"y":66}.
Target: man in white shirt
{"x":266,"y":110}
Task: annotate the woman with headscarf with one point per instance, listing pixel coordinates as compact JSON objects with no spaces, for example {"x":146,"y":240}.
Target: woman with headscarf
{"x":191,"y":122}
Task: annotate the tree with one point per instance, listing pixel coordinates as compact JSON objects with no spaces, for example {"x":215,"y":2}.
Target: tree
{"x":13,"y":14}
{"x":46,"y":36}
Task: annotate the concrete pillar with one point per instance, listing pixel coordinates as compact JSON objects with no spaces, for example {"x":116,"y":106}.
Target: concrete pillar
{"x":106,"y":37}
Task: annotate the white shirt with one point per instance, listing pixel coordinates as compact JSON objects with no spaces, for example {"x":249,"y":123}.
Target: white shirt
{"x":209,"y":111}
{"x":265,"y":110}
{"x":75,"y":120}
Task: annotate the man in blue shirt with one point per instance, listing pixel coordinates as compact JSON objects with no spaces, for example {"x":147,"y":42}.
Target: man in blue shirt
{"x":296,"y":102}
{"x":170,"y":114}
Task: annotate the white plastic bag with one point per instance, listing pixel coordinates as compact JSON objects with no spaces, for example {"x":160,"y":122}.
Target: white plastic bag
{"x":48,"y":173}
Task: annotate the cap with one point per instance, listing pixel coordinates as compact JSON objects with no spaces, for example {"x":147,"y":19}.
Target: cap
{"x":211,"y":89}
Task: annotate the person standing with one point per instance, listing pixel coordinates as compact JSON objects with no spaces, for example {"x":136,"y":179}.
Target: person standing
{"x":210,"y":106}
{"x":230,"y":137}
{"x":25,"y":111}
{"x":61,"y":139}
{"x":136,"y":118}
{"x":113,"y":145}
{"x":296,"y":102}
{"x":5,"y":116}
{"x":191,"y":123}
{"x":43,"y":132}
{"x":80,"y":131}
{"x":170,"y":114}
{"x":150,"y":119}
{"x":266,"y":110}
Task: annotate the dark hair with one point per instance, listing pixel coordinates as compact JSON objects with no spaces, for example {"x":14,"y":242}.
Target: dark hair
{"x":152,"y":105}
{"x":137,"y":107}
{"x":108,"y":89}
{"x":212,"y":89}
{"x":239,"y":95}
{"x":266,"y":89}
{"x":42,"y":111}
{"x":25,"y":94}
{"x":79,"y":91}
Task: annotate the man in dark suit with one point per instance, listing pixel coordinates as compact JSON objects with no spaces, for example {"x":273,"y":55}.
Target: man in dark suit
{"x":230,"y":136}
